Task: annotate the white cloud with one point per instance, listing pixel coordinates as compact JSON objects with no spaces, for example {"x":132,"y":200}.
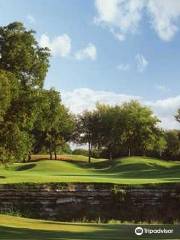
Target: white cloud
{"x":164,"y":17}
{"x":31,"y":19}
{"x":89,"y":52}
{"x":141,"y":63}
{"x":166,"y":109}
{"x":82,"y":99}
{"x":121,"y":16}
{"x":59,"y":46}
{"x":124,"y":16}
{"x":123,"y":67}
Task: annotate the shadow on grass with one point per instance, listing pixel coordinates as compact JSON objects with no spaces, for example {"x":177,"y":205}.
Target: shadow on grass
{"x":102,"y":232}
{"x":101,"y":166}
{"x":137,"y":170}
{"x":25,"y":167}
{"x":105,"y":232}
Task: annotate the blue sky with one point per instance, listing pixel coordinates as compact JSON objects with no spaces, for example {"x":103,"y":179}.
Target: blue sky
{"x":108,"y":50}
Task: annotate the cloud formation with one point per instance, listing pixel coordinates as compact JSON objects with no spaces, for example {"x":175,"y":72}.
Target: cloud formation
{"x":82,"y":99}
{"x":124,"y":16}
{"x":123,"y":67}
{"x":59,"y":46}
{"x":164,"y":16}
{"x":141,"y":63}
{"x":121,"y":16}
{"x":165,"y":110}
{"x":88,"y":52}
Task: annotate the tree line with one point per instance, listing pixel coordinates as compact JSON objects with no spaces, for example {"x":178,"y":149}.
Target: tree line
{"x":34,"y":119}
{"x":125,"y":130}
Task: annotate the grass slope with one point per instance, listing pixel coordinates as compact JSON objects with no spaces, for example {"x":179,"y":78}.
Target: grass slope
{"x":17,"y":228}
{"x":21,"y":228}
{"x":133,"y":170}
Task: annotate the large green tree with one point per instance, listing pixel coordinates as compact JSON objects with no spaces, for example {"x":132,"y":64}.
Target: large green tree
{"x":22,"y":56}
{"x":109,"y":128}
{"x":140,"y":127}
{"x":23,"y":67}
{"x":87,"y":130}
{"x":54,"y":125}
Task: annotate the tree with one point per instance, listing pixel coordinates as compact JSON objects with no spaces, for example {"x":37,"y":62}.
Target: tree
{"x":158,"y":145}
{"x":109,"y":129}
{"x":14,"y":143}
{"x":23,"y":66}
{"x":54,"y":125}
{"x":140,"y":126}
{"x":22,"y":56}
{"x":112,"y":129}
{"x":172,"y":150}
{"x":86,"y":130}
{"x":23,"y":113}
{"x":8,"y":91}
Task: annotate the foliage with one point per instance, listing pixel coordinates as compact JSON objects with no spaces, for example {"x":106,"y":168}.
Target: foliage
{"x":22,"y":56}
{"x":54,"y":125}
{"x":8,"y":91}
{"x":140,"y":127}
{"x":130,"y":128}
{"x":86,"y":130}
{"x":23,"y":67}
{"x":172,"y":149}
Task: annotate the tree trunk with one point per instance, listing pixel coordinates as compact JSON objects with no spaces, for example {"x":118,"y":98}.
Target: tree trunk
{"x":144,"y":151}
{"x":110,"y":156}
{"x":129,"y":153}
{"x":89,"y":154}
{"x":55,"y":154}
{"x":50,"y":154}
{"x":29,"y":157}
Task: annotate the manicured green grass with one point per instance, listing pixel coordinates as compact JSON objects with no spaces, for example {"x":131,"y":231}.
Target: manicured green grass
{"x":17,"y":228}
{"x":20,"y":228}
{"x":133,"y":170}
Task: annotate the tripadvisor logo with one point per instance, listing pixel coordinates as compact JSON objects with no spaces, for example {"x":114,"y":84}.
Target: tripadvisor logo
{"x":139,"y":231}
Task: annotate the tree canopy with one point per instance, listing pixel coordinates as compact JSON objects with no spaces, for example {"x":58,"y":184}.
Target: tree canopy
{"x":54,"y":124}
{"x":22,"y":56}
{"x":130,"y":128}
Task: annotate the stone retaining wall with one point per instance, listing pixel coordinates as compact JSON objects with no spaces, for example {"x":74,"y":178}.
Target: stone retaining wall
{"x":67,"y":202}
